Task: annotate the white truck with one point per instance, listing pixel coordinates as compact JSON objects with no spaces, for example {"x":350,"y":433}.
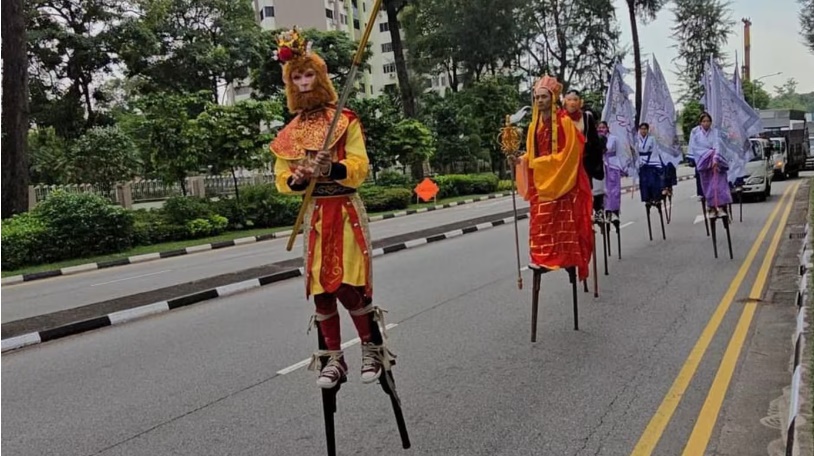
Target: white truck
{"x":759,"y":170}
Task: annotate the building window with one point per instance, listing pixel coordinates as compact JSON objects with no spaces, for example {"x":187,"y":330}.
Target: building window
{"x":267,"y":11}
{"x":364,"y":7}
{"x":384,"y":27}
{"x":344,"y":19}
{"x":356,"y":24}
{"x":329,"y":13}
{"x":389,"y":68}
{"x":387,"y":47}
{"x":390,"y":88}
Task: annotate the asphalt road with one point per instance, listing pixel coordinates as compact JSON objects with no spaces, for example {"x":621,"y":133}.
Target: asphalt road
{"x":206,"y":380}
{"x":66,"y":292}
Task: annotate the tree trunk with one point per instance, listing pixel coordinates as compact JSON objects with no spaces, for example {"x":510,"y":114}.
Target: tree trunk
{"x":637,"y":56}
{"x":405,"y":89}
{"x":15,"y":110}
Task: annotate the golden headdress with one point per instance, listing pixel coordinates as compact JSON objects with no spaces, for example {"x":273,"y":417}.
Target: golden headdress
{"x":554,"y":88}
{"x":295,"y":53}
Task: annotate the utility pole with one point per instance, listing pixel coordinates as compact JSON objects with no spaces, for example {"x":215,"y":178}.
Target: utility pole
{"x":747,"y":48}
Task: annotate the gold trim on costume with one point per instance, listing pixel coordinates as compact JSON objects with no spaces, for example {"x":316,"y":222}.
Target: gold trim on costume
{"x":307,"y":133}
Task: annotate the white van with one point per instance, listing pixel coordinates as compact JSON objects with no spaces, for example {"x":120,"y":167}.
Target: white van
{"x":759,"y":170}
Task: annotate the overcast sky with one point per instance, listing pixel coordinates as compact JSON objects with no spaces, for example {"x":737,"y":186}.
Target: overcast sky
{"x":776,"y":42}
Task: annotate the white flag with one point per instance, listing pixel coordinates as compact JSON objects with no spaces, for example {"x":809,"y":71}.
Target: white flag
{"x":659,"y":112}
{"x":620,"y":115}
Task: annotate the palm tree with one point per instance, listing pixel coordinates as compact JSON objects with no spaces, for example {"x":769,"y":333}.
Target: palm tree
{"x":393,"y":8}
{"x":647,"y":10}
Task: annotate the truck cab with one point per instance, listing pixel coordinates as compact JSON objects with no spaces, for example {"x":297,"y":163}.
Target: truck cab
{"x":759,"y":170}
{"x":780,"y":156}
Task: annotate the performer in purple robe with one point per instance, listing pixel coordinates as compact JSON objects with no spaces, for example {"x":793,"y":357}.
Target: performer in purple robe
{"x":712,"y":166}
{"x":614,"y":170}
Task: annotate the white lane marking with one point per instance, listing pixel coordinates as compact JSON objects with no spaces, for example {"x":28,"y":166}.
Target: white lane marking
{"x":626,"y":225}
{"x":305,"y":362}
{"x":130,"y":278}
{"x":698,"y":219}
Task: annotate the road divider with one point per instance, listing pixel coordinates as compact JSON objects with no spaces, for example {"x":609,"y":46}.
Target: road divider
{"x":129,"y":314}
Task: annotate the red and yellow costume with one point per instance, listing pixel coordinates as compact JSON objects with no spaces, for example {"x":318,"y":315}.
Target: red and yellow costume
{"x":336,"y":239}
{"x":558,"y":190}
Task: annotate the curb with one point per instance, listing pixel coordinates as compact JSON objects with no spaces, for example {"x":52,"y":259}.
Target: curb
{"x":219,"y":245}
{"x":134,"y":313}
{"x":799,"y":342}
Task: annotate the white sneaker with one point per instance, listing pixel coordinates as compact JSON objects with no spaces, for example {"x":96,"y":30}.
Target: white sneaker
{"x":372,"y":356}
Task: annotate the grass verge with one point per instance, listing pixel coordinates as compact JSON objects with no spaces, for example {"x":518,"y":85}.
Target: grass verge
{"x":167,"y":246}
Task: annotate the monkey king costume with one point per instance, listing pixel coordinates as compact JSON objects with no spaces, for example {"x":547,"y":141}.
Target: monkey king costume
{"x":559,"y":189}
{"x":337,"y":249}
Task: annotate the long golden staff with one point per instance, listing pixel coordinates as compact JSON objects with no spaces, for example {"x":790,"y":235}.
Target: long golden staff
{"x":510,"y":143}
{"x":343,"y":99}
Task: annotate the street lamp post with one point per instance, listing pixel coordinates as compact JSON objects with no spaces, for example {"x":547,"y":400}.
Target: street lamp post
{"x":754,"y":86}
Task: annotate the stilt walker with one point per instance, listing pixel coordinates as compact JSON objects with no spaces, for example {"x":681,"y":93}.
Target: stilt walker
{"x":651,"y":176}
{"x":559,"y":193}
{"x":712,"y":166}
{"x":585,"y":123}
{"x":321,"y":155}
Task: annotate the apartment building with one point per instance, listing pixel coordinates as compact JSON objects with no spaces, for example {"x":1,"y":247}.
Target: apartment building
{"x":349,"y":16}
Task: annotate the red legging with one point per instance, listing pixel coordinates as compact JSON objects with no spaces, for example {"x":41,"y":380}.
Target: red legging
{"x":353,"y":299}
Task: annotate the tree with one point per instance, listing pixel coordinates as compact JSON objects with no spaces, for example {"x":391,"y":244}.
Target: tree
{"x":488,"y":103}
{"x":336,"y":48}
{"x":755,"y":95}
{"x":71,"y":49}
{"x":393,"y":8}
{"x":190,"y":45}
{"x":576,"y":41}
{"x":234,"y":136}
{"x":450,"y":118}
{"x":48,"y":156}
{"x":689,"y":117}
{"x":167,"y":131}
{"x":15,"y":109}
{"x":701,"y":30}
{"x":378,"y":116}
{"x":787,"y":97}
{"x":807,"y":23}
{"x":646,"y":10}
{"x":412,"y":144}
{"x":465,"y":39}
{"x":104,"y":156}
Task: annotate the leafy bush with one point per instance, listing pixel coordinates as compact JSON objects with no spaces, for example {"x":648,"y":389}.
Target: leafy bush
{"x":394,"y":179}
{"x":206,"y":227}
{"x":466,"y":184}
{"x":181,"y":209}
{"x":25,"y":241}
{"x":84,"y":224}
{"x":505,"y":185}
{"x":378,"y":199}
{"x":153,"y":227}
{"x":264,"y":207}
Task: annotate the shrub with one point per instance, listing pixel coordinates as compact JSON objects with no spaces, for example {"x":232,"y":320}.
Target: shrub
{"x":25,"y":240}
{"x":153,"y":227}
{"x":505,"y":185}
{"x":264,"y":207}
{"x":466,"y":184}
{"x":394,"y":179}
{"x":181,"y":209}
{"x":378,"y":199}
{"x":84,"y":224}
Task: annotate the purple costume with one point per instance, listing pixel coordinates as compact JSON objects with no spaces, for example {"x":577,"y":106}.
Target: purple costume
{"x":613,"y":176}
{"x":712,"y":166}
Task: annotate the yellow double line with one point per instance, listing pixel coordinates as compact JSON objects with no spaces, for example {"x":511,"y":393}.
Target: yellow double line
{"x":705,"y":424}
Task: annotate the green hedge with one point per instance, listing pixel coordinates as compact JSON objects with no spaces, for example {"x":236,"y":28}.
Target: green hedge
{"x":67,"y":226}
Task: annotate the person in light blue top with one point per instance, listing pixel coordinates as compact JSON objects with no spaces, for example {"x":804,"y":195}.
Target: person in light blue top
{"x":651,"y":169}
